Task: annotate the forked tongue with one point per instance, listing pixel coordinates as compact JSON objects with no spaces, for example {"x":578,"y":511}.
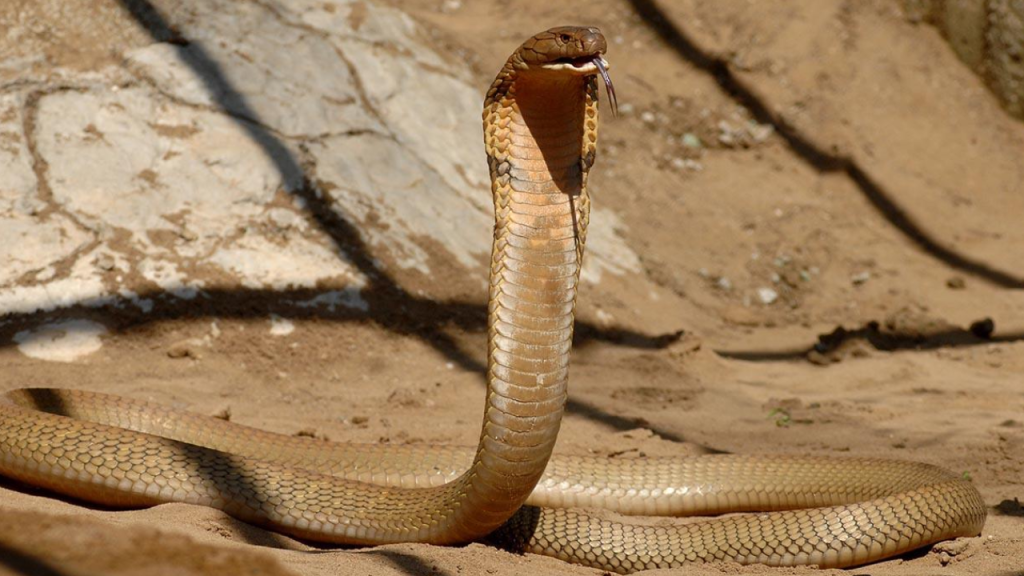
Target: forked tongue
{"x":608,"y":85}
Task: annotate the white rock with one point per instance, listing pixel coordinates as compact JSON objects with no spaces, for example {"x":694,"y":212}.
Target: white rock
{"x":767,"y":295}
{"x":860,"y":277}
{"x":64,"y":341}
{"x":280,"y":326}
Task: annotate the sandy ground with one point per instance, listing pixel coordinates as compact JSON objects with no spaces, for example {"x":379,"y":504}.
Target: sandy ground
{"x":829,"y":252}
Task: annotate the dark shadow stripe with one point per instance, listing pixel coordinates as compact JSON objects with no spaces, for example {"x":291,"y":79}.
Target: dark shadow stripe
{"x":20,"y":562}
{"x":806,"y":149}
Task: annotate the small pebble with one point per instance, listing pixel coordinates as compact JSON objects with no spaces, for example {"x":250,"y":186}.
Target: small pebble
{"x":692,"y":165}
{"x":184,"y":349}
{"x":648,"y":117}
{"x":983,"y":328}
{"x":956,"y":283}
{"x":311,"y":433}
{"x":860,"y":277}
{"x":767,"y":295}
{"x":761,"y":132}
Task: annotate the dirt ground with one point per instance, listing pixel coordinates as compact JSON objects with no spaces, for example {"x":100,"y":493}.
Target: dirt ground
{"x":827,"y":201}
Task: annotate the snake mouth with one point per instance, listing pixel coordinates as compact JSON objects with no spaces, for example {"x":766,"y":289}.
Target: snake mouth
{"x":582,"y":65}
{"x":581,"y":62}
{"x":585,"y":66}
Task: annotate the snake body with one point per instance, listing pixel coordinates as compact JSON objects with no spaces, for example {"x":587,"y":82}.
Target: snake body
{"x":540,"y":125}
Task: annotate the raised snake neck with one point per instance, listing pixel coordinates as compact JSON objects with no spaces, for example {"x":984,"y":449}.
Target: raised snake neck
{"x":540,"y":124}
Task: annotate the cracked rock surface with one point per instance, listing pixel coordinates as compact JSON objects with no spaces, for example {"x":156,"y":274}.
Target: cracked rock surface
{"x":178,"y":167}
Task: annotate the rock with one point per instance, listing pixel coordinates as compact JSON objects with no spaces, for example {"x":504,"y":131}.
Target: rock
{"x":948,"y":550}
{"x":767,"y":295}
{"x":311,"y":433}
{"x":222,"y":414}
{"x":860,"y":278}
{"x":983,"y":328}
{"x":184,"y":349}
{"x":61,"y":341}
{"x":192,"y":166}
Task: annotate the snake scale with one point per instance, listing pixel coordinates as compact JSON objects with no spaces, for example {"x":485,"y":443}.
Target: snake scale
{"x":540,"y":127}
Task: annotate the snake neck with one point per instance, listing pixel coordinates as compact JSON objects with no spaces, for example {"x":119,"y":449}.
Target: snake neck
{"x":539,"y":151}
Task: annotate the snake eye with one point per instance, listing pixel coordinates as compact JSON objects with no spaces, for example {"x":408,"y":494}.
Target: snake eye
{"x":565,"y":38}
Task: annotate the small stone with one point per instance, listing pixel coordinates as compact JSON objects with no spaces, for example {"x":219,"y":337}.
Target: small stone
{"x":950,"y":549}
{"x":691,"y":140}
{"x":280,"y":326}
{"x":767,"y":295}
{"x":724,"y":284}
{"x":983,"y":328}
{"x":860,"y":278}
{"x":307,"y":433}
{"x":692,"y":165}
{"x":359,"y":420}
{"x":626,"y":109}
{"x":648,"y":117}
{"x":183,"y":349}
{"x":761,"y":132}
{"x":223,"y":414}
{"x":956,"y":283}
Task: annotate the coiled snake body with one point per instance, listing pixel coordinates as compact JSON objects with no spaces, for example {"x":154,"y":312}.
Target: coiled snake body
{"x":540,"y":124}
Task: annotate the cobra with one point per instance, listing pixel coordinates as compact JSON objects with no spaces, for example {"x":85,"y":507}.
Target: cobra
{"x":540,"y":126}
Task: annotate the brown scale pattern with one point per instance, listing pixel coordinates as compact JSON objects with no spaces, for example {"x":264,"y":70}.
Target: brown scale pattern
{"x":540,"y":129}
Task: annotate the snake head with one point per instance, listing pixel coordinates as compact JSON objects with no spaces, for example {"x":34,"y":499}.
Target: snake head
{"x":576,"y":50}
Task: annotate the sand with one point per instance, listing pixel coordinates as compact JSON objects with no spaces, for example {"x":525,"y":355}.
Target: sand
{"x":824,"y":261}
